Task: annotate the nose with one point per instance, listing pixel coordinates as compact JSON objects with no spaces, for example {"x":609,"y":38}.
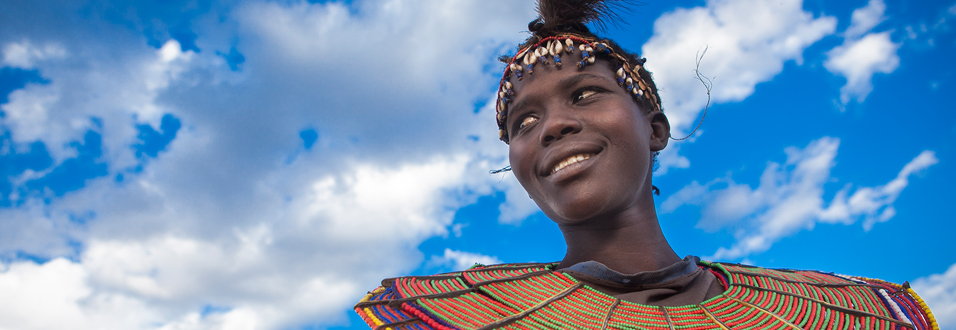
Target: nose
{"x":559,"y":124}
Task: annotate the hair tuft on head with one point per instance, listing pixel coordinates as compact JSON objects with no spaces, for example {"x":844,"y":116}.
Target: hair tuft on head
{"x":556,"y":16}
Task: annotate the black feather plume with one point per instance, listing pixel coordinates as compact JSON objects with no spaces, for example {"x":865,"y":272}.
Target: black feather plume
{"x":556,"y":16}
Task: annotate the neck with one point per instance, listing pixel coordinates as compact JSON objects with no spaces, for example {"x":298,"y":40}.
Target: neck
{"x":628,"y":242}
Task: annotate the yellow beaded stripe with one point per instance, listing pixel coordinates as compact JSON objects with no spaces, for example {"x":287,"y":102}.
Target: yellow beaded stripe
{"x":929,"y":313}
{"x":367,"y":313}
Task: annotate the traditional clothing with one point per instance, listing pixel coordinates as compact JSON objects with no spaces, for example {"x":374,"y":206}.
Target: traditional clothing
{"x":537,"y":296}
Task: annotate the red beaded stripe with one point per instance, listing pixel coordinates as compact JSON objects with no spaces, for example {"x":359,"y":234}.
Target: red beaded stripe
{"x":470,"y":310}
{"x":525,"y":293}
{"x":411,"y":287}
{"x":425,"y":318}
{"x":629,"y":315}
{"x":477,"y":275}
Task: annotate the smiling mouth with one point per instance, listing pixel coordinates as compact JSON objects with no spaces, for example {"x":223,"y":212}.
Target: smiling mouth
{"x":570,"y":160}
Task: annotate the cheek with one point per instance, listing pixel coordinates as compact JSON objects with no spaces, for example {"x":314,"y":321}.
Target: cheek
{"x":521,"y":166}
{"x":518,"y":160}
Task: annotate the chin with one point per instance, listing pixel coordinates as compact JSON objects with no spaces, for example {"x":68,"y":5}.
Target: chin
{"x":576,"y":210}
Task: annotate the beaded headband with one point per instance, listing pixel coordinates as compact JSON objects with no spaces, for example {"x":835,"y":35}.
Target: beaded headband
{"x":549,"y":50}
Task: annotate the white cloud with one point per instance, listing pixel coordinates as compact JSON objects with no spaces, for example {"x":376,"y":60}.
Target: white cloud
{"x":60,"y":112}
{"x":460,"y":260}
{"x":866,"y":18}
{"x":670,"y":158}
{"x":748,"y":42}
{"x":859,"y":58}
{"x":789,"y":198}
{"x":518,"y":204}
{"x":25,"y":55}
{"x":235,"y":214}
{"x":875,"y":203}
{"x":56,"y":295}
{"x":276,"y":262}
{"x":939,"y":292}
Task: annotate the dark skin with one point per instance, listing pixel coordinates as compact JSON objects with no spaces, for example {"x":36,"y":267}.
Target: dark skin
{"x":581,"y":123}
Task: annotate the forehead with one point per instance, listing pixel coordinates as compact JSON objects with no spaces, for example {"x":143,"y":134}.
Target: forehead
{"x":550,"y":81}
{"x":551,"y":77}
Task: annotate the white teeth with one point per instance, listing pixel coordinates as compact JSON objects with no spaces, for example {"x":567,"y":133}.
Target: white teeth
{"x":569,"y":161}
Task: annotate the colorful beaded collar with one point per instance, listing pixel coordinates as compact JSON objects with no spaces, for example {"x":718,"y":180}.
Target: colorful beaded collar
{"x":549,"y":51}
{"x":534,"y":296}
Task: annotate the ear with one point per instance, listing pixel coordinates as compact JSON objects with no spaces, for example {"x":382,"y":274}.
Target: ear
{"x":661,"y":130}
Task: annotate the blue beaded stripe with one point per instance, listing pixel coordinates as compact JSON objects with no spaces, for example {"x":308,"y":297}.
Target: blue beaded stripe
{"x":904,"y":310}
{"x":392,"y":316}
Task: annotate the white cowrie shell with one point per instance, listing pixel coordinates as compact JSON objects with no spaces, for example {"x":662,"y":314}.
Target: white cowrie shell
{"x":558,"y":47}
{"x":582,"y":47}
{"x":508,"y":85}
{"x":525,"y":51}
{"x":591,"y":60}
{"x":620,"y":72}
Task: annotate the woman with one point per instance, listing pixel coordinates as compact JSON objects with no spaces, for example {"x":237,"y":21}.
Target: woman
{"x":583,"y":122}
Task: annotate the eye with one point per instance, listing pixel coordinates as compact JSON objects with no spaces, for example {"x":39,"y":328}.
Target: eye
{"x":584,"y":94}
{"x":527,"y":121}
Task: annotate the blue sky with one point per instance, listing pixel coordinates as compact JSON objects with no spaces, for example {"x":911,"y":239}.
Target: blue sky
{"x":261,"y":164}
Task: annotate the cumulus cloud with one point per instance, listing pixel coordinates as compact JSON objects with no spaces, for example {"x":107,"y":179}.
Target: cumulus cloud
{"x":460,"y":260}
{"x":747,"y":42}
{"x":56,"y":295}
{"x":865,"y":19}
{"x":74,"y":102}
{"x":859,"y":58}
{"x":236,"y":224}
{"x":875,"y":203}
{"x":24,"y":54}
{"x":789,"y":198}
{"x":939,"y":292}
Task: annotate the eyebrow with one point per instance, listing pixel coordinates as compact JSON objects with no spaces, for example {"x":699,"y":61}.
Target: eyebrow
{"x":564,"y":84}
{"x":569,"y":82}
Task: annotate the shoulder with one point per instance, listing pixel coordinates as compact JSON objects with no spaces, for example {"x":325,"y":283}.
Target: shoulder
{"x":853,"y":294}
{"x":412,"y":300}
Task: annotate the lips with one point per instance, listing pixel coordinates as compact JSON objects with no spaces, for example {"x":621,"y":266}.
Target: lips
{"x":562,"y":160}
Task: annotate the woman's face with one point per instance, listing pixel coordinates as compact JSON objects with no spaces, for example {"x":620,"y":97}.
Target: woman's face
{"x":579,"y":144}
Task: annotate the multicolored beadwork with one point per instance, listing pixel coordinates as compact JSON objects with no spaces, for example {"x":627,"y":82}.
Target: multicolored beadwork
{"x":551,"y":49}
{"x":534,"y":296}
